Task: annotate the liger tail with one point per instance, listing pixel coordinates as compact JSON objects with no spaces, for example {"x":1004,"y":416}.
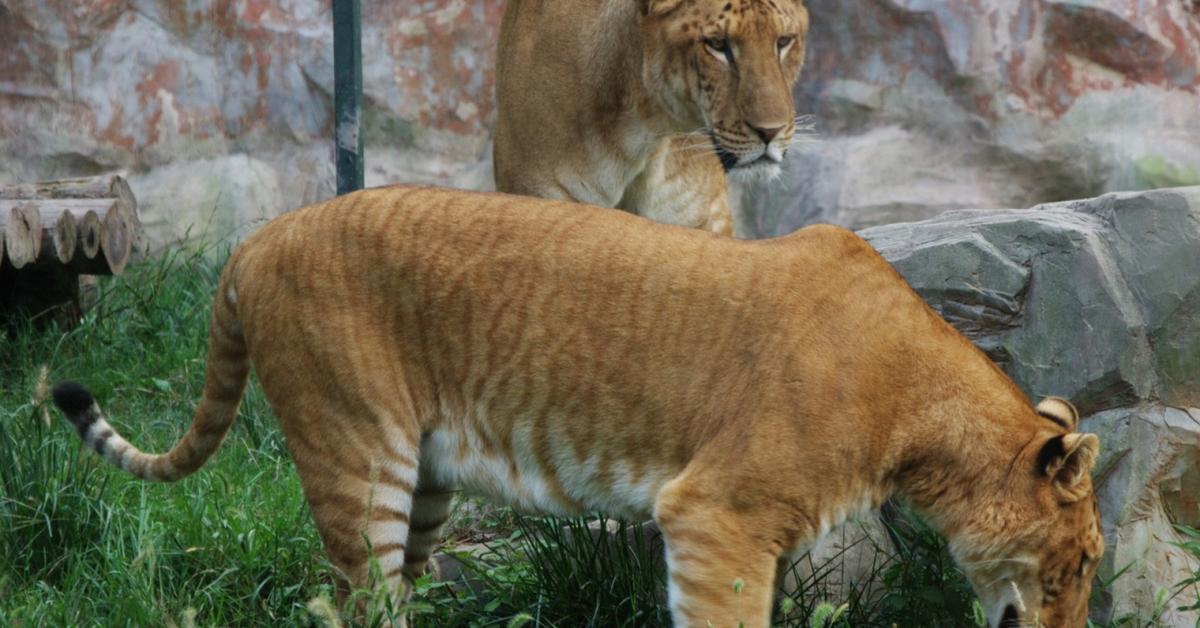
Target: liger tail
{"x":226,"y":372}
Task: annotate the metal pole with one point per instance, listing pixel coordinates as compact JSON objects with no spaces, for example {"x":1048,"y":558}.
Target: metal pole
{"x":347,"y":94}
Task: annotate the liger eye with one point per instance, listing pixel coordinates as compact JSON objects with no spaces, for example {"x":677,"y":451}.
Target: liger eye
{"x":785,"y":41}
{"x":719,"y":45}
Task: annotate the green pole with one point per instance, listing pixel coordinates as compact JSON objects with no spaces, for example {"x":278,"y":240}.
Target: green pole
{"x":347,"y":94}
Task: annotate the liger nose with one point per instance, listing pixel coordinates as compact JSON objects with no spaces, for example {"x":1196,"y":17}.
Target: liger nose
{"x":767,"y":133}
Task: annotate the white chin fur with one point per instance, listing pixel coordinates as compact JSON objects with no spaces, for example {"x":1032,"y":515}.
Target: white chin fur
{"x":756,"y":171}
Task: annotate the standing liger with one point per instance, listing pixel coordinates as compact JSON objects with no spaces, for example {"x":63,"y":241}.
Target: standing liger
{"x":566,"y":358}
{"x":644,"y":104}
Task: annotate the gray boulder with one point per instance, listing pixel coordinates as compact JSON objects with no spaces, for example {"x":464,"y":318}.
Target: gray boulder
{"x":206,"y":202}
{"x":1148,"y":480}
{"x":1097,"y":301}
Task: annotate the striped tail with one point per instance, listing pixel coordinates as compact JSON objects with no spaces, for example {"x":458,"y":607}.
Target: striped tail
{"x":225,"y":379}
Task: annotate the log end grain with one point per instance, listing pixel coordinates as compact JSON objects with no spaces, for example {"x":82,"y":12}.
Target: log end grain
{"x":22,"y":234}
{"x":89,"y":235}
{"x":59,"y":239}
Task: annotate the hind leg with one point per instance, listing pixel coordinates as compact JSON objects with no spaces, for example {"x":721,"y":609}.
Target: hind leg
{"x":360,"y":490}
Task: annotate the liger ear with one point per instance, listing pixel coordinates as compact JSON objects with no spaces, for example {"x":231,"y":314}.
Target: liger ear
{"x":658,"y":7}
{"x":1060,"y":411}
{"x":1067,"y":461}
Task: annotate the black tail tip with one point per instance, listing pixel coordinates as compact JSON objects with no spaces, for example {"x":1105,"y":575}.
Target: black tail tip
{"x":72,"y":398}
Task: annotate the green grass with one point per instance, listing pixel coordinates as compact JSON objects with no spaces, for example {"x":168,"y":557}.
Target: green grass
{"x":83,"y":544}
{"x":584,"y":570}
{"x":913,"y":579}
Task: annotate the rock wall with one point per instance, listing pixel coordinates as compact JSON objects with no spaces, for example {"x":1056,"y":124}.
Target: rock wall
{"x":921,"y":105}
{"x":220,"y":111}
{"x":1097,"y":301}
{"x":928,"y":105}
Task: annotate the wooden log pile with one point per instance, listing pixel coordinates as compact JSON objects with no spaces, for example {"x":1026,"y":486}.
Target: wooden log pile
{"x":58,"y":233}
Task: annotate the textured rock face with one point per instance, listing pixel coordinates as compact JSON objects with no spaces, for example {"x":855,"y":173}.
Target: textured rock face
{"x":923,"y":105}
{"x":1097,"y":301}
{"x":928,"y":105}
{"x":227,"y":198}
{"x":1092,"y":300}
{"x":161,"y":89}
{"x":1149,"y":476}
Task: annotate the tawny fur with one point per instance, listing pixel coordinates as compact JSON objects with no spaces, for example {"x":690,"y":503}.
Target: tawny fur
{"x":563,"y":358}
{"x":620,"y":103}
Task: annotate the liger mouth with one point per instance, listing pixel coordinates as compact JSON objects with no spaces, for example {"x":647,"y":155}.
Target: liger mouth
{"x":729,"y":161}
{"x":765,"y":160}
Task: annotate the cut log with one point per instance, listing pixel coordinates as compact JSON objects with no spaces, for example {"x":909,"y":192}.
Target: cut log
{"x":22,"y":233}
{"x":116,"y":237}
{"x":89,"y":229}
{"x":89,"y":292}
{"x":109,"y":231}
{"x":104,"y":186}
{"x":90,"y":232}
{"x":108,"y":186}
{"x":86,"y":214}
{"x":59,"y":238}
